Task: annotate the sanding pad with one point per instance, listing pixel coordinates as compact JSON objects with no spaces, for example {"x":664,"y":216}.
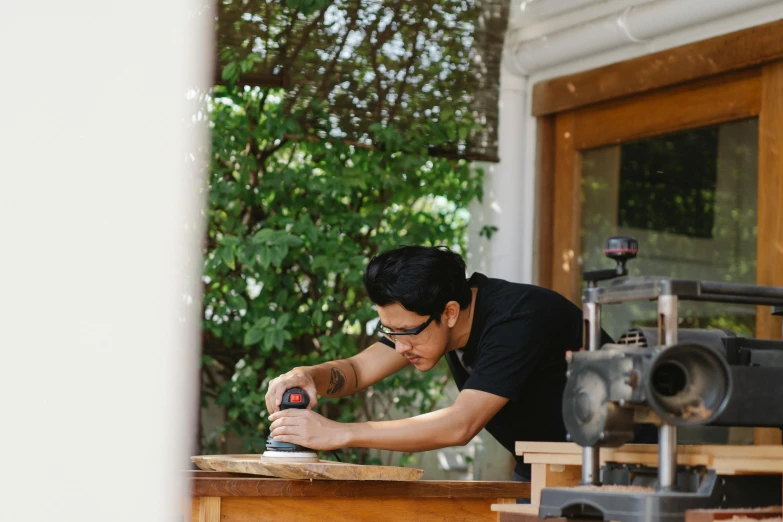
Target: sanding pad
{"x":289,"y":456}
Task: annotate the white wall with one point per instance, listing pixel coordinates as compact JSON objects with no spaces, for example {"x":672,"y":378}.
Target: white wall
{"x":99,"y":213}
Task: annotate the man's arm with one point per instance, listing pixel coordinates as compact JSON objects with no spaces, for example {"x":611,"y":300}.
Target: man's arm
{"x":455,"y":425}
{"x":337,"y":378}
{"x":348,"y":376}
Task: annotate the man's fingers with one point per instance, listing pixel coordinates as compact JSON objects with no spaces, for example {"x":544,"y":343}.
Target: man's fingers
{"x":290,"y":412}
{"x":285,"y":430}
{"x":285,"y":421}
{"x":311,"y":391}
{"x":269,"y":398}
{"x":294,"y":439}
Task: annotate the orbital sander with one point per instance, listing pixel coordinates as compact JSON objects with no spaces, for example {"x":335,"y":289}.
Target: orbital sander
{"x":277,"y":451}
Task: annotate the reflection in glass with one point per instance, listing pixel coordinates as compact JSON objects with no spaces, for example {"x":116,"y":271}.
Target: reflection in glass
{"x":689,"y":198}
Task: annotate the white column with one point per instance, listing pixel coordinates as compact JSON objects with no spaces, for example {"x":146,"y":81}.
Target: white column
{"x":505,"y":255}
{"x":504,"y":185}
{"x":99,"y":209}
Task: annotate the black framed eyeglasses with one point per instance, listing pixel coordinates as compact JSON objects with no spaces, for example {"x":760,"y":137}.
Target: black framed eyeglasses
{"x":385,"y":330}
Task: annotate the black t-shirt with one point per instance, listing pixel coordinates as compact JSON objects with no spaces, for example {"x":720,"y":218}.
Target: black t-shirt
{"x":518,"y":340}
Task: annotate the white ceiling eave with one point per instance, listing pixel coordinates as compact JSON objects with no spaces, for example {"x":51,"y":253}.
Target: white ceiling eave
{"x":635,"y":24}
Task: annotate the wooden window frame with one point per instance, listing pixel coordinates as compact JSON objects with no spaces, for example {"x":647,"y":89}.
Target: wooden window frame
{"x":731,"y":77}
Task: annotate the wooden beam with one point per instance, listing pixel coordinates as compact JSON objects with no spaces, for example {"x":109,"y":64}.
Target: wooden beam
{"x":770,"y":216}
{"x":545,"y":189}
{"x":699,"y":104}
{"x":770,"y":194}
{"x":259,"y":509}
{"x":730,"y":52}
{"x":220,"y":486}
{"x":566,"y":239}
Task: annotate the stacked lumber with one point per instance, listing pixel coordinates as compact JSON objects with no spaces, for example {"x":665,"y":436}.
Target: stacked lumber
{"x":724,"y":459}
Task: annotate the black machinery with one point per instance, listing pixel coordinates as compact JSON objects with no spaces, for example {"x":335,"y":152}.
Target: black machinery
{"x":667,"y":377}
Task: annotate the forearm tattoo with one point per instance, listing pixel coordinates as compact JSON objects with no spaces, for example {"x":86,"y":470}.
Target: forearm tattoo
{"x":336,"y":382}
{"x":355,"y":375}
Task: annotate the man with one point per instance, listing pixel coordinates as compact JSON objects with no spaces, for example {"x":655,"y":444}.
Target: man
{"x":505,"y":344}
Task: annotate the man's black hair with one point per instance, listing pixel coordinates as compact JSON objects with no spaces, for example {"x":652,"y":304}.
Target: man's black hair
{"x":421,"y":279}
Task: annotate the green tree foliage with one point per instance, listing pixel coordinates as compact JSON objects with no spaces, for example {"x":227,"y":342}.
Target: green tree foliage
{"x":392,"y":62}
{"x":291,"y":225}
{"x":329,"y":135}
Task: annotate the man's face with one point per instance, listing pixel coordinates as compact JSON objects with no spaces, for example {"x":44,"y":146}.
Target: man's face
{"x":424,"y":349}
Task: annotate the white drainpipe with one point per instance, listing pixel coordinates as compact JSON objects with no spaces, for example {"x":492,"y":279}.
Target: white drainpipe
{"x":635,"y":24}
{"x":533,"y":10}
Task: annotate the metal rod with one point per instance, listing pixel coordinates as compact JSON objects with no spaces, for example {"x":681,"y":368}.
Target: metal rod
{"x":593,"y":315}
{"x":591,"y":466}
{"x":667,"y":457}
{"x":735,"y":299}
{"x":591,"y":471}
{"x":667,"y":320}
{"x":715,"y":287}
{"x":667,"y":434}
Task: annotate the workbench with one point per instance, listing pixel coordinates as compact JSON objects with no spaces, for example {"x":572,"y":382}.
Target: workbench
{"x":231,"y":497}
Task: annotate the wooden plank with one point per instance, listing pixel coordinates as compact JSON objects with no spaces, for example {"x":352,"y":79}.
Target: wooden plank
{"x":689,"y":106}
{"x":209,"y":509}
{"x":645,"y":459}
{"x":565,"y":225}
{"x":724,"y":459}
{"x":269,"y":487}
{"x":766,"y":436}
{"x":546,"y":475}
{"x":239,"y":509}
{"x":737,"y":466}
{"x":324,"y":470}
{"x":545,"y":180}
{"x":713,"y":515}
{"x":716,"y":450}
{"x":722,"y":54}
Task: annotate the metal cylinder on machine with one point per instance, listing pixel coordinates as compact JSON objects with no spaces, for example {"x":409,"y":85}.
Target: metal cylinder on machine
{"x":688,"y":383}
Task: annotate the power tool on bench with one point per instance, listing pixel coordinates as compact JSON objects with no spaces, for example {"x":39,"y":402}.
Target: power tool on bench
{"x":668,"y":377}
{"x":277,"y":451}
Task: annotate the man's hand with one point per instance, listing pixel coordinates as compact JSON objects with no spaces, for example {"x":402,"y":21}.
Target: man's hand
{"x":296,"y":378}
{"x":308,"y":429}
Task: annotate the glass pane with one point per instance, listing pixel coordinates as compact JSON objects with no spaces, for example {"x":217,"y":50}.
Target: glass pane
{"x":690,"y":199}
